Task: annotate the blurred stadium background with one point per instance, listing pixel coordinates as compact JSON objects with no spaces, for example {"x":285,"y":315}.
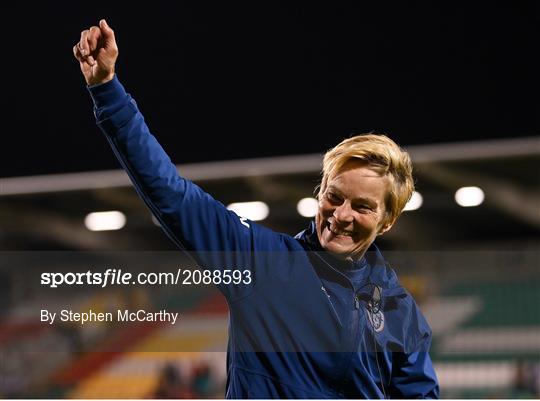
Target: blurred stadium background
{"x":474,"y":269}
{"x":454,"y":83}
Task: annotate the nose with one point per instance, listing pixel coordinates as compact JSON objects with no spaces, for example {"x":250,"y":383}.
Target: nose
{"x":344,"y":213}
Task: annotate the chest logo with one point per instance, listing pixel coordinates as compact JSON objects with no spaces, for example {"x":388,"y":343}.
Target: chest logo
{"x":376,"y":320}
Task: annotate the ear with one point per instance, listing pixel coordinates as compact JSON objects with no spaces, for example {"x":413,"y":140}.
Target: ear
{"x":385,"y":227}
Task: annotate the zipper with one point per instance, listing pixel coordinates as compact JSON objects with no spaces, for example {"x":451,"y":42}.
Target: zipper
{"x":356,"y":302}
{"x":331,"y":305}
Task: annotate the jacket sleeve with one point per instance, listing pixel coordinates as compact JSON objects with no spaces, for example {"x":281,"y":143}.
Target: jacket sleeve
{"x":413,"y":375}
{"x":189,"y":216}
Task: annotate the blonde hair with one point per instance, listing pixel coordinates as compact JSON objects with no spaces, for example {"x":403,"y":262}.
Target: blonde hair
{"x":384,"y":156}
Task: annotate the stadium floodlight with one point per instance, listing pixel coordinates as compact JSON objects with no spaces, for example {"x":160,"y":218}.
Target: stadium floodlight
{"x":469,"y":196}
{"x":254,"y":211}
{"x":307,"y":207}
{"x":415,"y":202}
{"x":105,"y":221}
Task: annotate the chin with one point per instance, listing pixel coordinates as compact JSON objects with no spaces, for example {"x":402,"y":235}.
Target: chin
{"x":336,"y":249}
{"x":345,"y":251}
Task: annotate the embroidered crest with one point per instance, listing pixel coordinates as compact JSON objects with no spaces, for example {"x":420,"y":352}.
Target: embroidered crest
{"x":376,"y":319}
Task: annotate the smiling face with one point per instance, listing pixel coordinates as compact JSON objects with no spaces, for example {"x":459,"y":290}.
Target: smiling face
{"x":352,"y":210}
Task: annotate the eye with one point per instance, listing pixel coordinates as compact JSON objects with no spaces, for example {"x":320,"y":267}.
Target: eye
{"x":333,"y":198}
{"x":364,"y":208}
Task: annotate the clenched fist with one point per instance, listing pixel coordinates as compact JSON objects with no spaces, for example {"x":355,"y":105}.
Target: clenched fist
{"x":97,"y":53}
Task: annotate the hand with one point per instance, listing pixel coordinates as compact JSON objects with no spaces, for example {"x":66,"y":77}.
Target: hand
{"x":97,"y":53}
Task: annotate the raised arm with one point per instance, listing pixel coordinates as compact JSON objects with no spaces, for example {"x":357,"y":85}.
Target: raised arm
{"x":189,"y":216}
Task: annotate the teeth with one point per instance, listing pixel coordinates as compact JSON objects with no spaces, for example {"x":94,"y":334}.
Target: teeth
{"x":337,"y":231}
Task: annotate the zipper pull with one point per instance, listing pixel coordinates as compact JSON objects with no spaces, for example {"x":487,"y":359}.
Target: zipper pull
{"x":324,"y":290}
{"x":356,"y":302}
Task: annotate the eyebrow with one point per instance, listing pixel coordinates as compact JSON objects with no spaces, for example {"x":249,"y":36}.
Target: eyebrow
{"x":368,"y":201}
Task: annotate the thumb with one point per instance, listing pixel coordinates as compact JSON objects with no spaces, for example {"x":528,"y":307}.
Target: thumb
{"x":106,"y":30}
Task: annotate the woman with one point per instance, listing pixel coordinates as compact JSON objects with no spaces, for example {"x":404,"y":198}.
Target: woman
{"x":319,"y":315}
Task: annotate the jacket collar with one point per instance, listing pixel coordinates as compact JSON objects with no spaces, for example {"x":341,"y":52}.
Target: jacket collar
{"x":380,"y":272}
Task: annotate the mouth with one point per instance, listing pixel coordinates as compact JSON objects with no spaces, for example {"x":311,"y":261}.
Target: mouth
{"x":339,"y":232}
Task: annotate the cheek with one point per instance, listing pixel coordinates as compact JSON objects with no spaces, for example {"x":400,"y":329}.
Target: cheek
{"x":325,"y":209}
{"x":367,"y":225}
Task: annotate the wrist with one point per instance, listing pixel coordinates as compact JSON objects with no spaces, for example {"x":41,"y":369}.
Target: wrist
{"x":106,"y":93}
{"x":100,"y":79}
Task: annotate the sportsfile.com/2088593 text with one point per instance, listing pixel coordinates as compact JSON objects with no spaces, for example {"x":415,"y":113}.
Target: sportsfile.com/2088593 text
{"x":118,"y":277}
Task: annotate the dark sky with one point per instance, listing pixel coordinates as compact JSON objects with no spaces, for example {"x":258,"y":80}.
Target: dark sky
{"x":221,"y":80}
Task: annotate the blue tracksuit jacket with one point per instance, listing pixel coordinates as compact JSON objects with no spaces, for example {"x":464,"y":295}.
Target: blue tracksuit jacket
{"x":300,"y":329}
